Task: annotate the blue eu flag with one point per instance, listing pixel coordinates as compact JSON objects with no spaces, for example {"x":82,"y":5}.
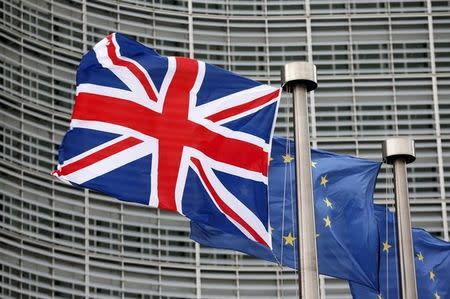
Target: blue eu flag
{"x":432,"y":260}
{"x":345,"y":223}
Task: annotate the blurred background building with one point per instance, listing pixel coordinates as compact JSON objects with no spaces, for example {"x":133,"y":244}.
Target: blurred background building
{"x":383,"y":70}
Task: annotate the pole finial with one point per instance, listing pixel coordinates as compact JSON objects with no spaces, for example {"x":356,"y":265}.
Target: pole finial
{"x":299,"y":72}
{"x":399,"y":147}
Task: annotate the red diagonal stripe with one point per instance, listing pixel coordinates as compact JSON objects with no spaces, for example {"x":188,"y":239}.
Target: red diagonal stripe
{"x":111,"y":47}
{"x":99,"y":155}
{"x":232,"y":151}
{"x":224,"y":207}
{"x":244,"y":107}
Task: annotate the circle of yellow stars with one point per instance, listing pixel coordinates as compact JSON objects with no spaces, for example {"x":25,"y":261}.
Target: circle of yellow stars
{"x":290,"y":239}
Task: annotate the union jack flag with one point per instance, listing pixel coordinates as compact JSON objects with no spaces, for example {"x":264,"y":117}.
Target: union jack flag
{"x":173,"y":133}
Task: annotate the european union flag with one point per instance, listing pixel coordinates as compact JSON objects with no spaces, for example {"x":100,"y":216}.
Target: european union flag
{"x":432,"y":260}
{"x":345,"y":222}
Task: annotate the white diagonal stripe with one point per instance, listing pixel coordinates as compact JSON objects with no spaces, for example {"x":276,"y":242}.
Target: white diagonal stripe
{"x":110,"y":163}
{"x":93,"y":150}
{"x":230,"y":200}
{"x":125,"y":75}
{"x":248,"y":112}
{"x":225,"y":167}
{"x":110,"y":128}
{"x":232,"y":100}
{"x":138,"y":87}
{"x":240,"y":227}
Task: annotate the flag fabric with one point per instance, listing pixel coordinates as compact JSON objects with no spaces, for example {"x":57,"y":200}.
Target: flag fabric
{"x":345,"y":222}
{"x":388,"y":278}
{"x":432,"y":262}
{"x":173,"y":133}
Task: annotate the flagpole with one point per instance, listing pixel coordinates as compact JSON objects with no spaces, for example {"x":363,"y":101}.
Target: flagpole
{"x":399,"y":152}
{"x":300,"y":78}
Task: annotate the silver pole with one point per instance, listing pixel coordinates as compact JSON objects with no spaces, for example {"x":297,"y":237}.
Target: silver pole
{"x":399,"y":152}
{"x":300,"y":77}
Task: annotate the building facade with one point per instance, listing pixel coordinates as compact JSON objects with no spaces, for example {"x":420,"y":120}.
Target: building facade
{"x":383,"y":70}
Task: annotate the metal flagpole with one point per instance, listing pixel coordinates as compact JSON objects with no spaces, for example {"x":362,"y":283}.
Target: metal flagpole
{"x":399,"y":152}
{"x":300,"y":77}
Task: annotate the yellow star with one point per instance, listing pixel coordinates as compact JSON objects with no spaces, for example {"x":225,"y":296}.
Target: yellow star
{"x":313,"y":164}
{"x":327,"y":221}
{"x":289,"y":239}
{"x":436,"y":296}
{"x":432,"y":275}
{"x":328,"y":203}
{"x":386,"y":246}
{"x":287,"y":158}
{"x":420,"y":256}
{"x":317,"y":235}
{"x":323,"y":180}
{"x":379,"y":296}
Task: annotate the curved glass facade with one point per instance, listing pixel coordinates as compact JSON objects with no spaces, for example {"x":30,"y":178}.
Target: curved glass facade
{"x":383,"y":70}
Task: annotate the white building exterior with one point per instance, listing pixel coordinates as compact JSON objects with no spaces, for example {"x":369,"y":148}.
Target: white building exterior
{"x":383,"y":70}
